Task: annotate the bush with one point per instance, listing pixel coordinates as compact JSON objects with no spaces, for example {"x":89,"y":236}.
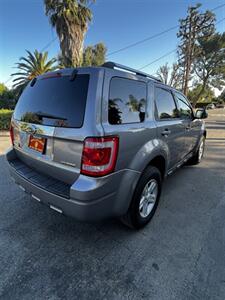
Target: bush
{"x":6,"y":103}
{"x":7,"y":97}
{"x":5,"y":118}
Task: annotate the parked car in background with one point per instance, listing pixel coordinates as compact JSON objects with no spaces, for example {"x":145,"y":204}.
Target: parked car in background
{"x":220,"y":105}
{"x":210,"y":106}
{"x":97,"y":142}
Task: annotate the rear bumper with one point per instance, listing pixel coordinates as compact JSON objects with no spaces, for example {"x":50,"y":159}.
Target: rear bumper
{"x":90,"y":199}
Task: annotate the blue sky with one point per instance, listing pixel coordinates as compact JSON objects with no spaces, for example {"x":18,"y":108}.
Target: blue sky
{"x":117,"y":23}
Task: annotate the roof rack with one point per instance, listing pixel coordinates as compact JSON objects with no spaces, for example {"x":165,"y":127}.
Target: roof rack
{"x":113,"y":65}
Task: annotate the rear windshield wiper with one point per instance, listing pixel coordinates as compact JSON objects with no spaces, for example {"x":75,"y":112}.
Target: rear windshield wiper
{"x":49,"y":116}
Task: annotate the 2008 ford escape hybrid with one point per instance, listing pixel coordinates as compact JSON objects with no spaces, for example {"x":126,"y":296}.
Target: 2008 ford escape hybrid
{"x":97,"y":142}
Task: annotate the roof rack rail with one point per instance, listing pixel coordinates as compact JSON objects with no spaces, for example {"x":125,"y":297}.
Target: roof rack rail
{"x":113,"y":65}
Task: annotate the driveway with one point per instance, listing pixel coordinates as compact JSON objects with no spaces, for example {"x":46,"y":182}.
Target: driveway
{"x":180,"y":255}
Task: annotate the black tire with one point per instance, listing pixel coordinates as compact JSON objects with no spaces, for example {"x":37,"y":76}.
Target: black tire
{"x":133,"y":217}
{"x":196,"y":158}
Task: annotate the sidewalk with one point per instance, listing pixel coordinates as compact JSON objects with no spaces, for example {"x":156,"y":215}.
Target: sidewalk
{"x":4,"y":133}
{"x":4,"y":141}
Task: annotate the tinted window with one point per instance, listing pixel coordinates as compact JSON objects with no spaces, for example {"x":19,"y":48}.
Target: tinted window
{"x":184,"y":108}
{"x":54,"y":101}
{"x":165,"y":104}
{"x":127,"y":101}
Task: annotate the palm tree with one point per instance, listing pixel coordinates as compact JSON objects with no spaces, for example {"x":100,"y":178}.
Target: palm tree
{"x":31,"y":66}
{"x":70,"y":19}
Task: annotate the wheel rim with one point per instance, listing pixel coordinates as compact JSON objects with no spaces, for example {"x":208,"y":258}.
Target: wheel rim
{"x":201,"y":150}
{"x":148,"y":198}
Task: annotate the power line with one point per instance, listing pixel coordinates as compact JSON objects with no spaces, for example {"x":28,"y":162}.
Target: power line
{"x":144,"y":40}
{"x":154,"y":61}
{"x":217,"y":7}
{"x":153,"y":36}
{"x":7,"y":80}
{"x":49,"y":44}
{"x":220,"y":21}
{"x":174,"y":50}
{"x":136,"y":43}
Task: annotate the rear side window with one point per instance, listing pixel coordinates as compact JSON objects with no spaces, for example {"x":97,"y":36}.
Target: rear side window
{"x":127,"y":101}
{"x":184,"y":108}
{"x":165,"y":104}
{"x":54,"y":101}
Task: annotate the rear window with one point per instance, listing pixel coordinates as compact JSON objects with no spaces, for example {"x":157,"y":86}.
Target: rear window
{"x":127,"y":101}
{"x":56,"y":102}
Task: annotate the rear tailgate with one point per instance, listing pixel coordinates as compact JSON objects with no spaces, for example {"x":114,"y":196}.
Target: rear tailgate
{"x":47,"y":125}
{"x":61,"y":157}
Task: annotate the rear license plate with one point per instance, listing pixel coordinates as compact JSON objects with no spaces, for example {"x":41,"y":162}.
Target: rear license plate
{"x":37,"y":144}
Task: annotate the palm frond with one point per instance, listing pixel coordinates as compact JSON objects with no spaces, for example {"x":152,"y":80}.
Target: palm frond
{"x":34,"y":64}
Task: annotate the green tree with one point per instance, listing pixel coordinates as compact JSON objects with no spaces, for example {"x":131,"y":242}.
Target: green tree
{"x":87,"y":56}
{"x":94,"y":55}
{"x":193,"y":27}
{"x":209,"y":64}
{"x":31,"y":66}
{"x":207,"y":96}
{"x":7,"y":97}
{"x":99,"y":54}
{"x":221,"y":97}
{"x":70,"y":18}
{"x":3,"y":88}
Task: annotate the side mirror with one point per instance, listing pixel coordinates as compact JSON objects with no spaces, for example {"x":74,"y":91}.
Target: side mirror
{"x":201,"y":114}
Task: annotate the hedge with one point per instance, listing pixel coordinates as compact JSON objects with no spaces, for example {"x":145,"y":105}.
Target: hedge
{"x":5,"y":117}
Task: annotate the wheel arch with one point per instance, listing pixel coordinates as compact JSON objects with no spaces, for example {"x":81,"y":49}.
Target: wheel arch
{"x":159,"y":162}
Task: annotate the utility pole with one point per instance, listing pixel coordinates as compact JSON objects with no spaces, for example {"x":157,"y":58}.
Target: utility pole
{"x":194,"y":26}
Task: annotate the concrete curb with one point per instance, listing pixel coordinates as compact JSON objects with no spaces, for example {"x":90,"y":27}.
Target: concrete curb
{"x":4,"y":133}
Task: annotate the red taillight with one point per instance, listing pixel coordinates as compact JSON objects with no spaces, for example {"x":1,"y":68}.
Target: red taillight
{"x":99,"y":155}
{"x":11,"y":134}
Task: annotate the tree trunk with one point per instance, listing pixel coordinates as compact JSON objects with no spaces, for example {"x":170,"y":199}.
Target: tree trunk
{"x":186,"y":78}
{"x":188,"y":56}
{"x":71,"y":44}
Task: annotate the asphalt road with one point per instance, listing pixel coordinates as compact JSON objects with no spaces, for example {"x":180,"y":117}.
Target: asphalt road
{"x":180,"y":255}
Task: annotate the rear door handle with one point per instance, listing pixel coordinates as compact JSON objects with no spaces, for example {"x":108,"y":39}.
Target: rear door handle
{"x":166,"y":132}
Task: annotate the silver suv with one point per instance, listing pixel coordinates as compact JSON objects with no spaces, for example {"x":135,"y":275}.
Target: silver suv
{"x":97,"y":142}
